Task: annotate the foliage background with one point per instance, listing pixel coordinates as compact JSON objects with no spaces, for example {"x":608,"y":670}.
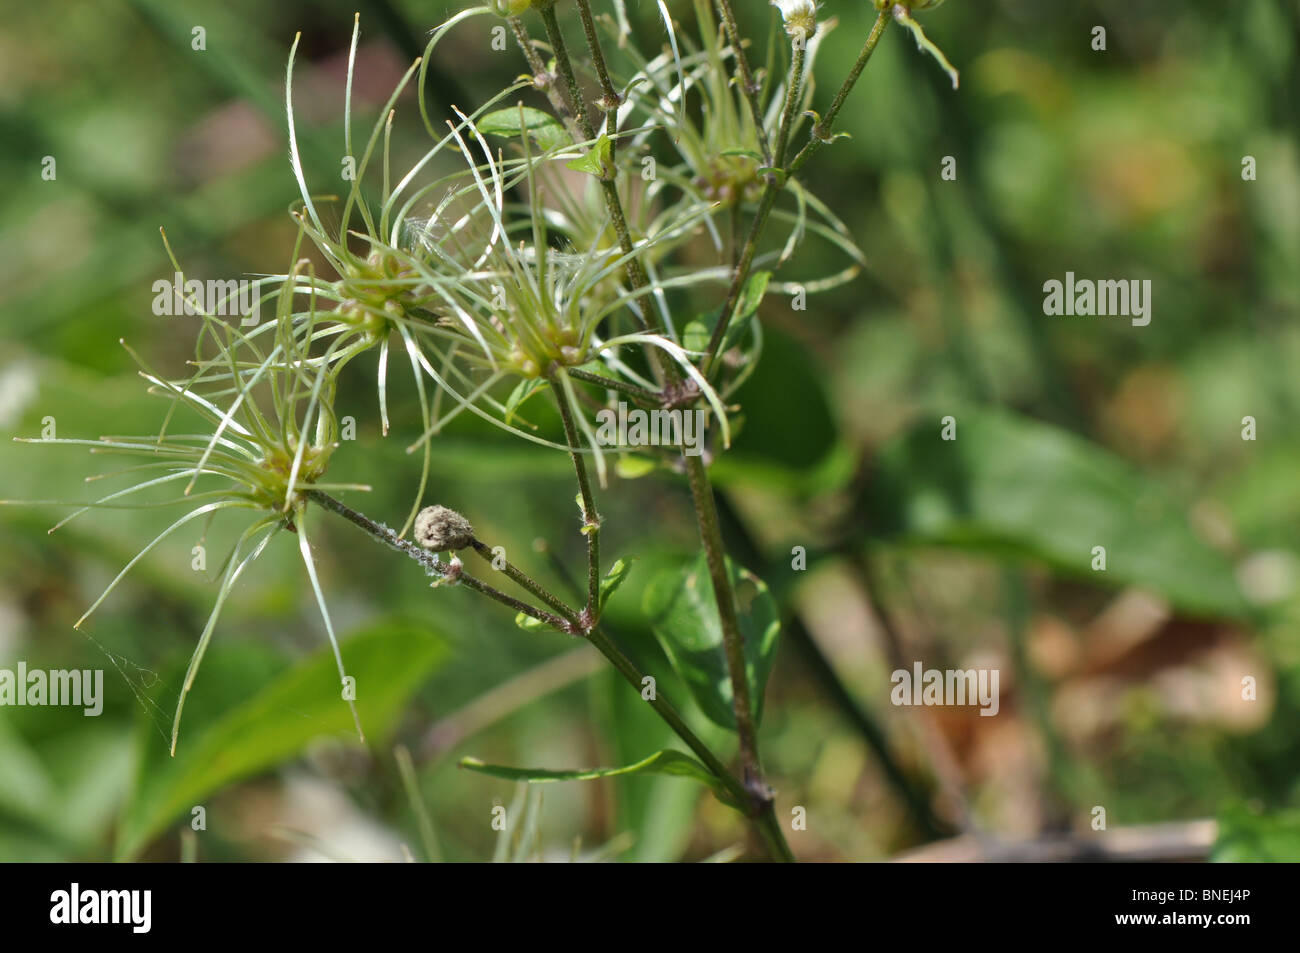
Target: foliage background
{"x":1119,"y":689}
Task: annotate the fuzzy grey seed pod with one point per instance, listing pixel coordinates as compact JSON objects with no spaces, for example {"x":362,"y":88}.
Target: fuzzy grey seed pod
{"x":441,"y":529}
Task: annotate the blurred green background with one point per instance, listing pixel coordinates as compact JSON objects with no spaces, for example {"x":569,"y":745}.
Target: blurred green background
{"x":1120,"y":689}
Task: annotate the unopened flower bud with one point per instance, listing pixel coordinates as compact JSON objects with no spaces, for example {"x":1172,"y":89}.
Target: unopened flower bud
{"x":441,"y":529}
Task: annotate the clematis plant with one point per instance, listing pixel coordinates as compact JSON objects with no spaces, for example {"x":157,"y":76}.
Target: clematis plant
{"x":559,"y":256}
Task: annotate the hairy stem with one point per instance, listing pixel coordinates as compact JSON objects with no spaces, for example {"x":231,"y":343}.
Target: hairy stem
{"x":525,"y":581}
{"x":650,"y":397}
{"x":732,"y":639}
{"x":762,"y":818}
{"x":590,"y":518}
{"x":821,"y":132}
{"x":746,"y":76}
{"x":820,"y":135}
{"x":541,"y":77}
{"x":431,"y":563}
{"x":611,"y":97}
{"x":739,"y":275}
{"x":793,"y":92}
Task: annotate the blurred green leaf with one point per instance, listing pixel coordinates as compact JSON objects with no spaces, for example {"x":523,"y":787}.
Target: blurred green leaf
{"x":790,"y":440}
{"x":1014,"y":486}
{"x":1248,"y":837}
{"x":680,"y":605}
{"x":695,"y":336}
{"x":276,"y":721}
{"x":667,"y":761}
{"x":655,"y":809}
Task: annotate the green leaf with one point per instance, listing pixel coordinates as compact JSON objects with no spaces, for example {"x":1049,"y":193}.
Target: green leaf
{"x":790,"y":441}
{"x":1249,"y":837}
{"x":750,"y":298}
{"x":629,"y":466}
{"x":594,"y":161}
{"x":278,"y":716}
{"x":1017,"y":487}
{"x":667,"y":761}
{"x":658,"y":810}
{"x":695,"y":336}
{"x":614,"y":578}
{"x":543,"y":127}
{"x":684,"y":617}
{"x":528,"y":623}
{"x":525,"y":389}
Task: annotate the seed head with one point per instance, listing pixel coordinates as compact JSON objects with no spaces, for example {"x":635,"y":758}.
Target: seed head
{"x":441,"y":529}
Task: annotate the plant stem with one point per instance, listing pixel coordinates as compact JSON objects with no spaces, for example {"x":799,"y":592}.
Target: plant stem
{"x":747,"y":84}
{"x":605,"y":645}
{"x":555,"y":37}
{"x":635,"y":274}
{"x":526,"y":581}
{"x":432,"y":565}
{"x":762,"y":816}
{"x":612,"y":98}
{"x":793,"y":90}
{"x":645,"y":396}
{"x":821,"y":132}
{"x":540,"y":76}
{"x":739,"y":275}
{"x":732,"y":640}
{"x":774,"y":183}
{"x":590,"y":518}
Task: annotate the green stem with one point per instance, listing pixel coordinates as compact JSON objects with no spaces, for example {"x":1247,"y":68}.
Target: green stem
{"x":540,"y":76}
{"x":525,"y":581}
{"x":793,"y":91}
{"x":739,"y":275}
{"x":645,"y":396}
{"x":590,"y":518}
{"x":821,"y":132}
{"x":732,"y":640}
{"x":746,"y":77}
{"x":609,"y":189}
{"x":612,"y":99}
{"x":762,"y":818}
